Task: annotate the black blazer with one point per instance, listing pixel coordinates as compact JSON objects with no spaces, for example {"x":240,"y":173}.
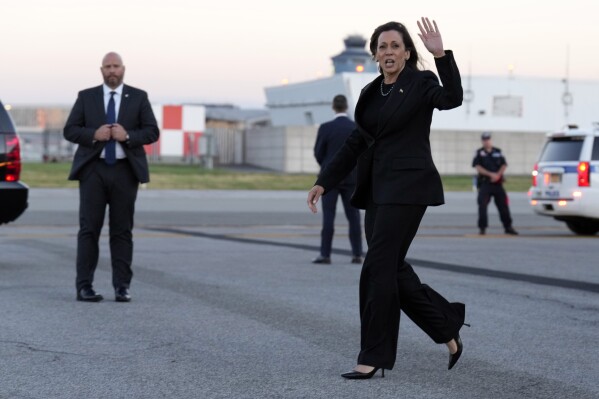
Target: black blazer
{"x":88,"y":114}
{"x":394,"y":164}
{"x":330,"y":138}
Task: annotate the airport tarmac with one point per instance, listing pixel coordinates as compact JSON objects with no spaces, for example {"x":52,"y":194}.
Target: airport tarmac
{"x":226,"y":304}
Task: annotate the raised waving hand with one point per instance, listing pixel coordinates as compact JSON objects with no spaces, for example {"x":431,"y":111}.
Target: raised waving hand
{"x":431,"y":37}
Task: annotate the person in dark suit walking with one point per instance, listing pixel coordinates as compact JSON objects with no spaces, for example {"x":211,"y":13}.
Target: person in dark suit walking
{"x":329,"y":139}
{"x":396,"y":182}
{"x":110,"y":124}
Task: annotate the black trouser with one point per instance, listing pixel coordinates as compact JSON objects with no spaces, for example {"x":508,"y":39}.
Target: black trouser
{"x":115,"y":186}
{"x":485,"y":192}
{"x":388,"y":284}
{"x":329,"y":210}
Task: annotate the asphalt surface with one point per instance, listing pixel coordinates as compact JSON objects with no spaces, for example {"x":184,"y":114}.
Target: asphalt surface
{"x":226,"y":304}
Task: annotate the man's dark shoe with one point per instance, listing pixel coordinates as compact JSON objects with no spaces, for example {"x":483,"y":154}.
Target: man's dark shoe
{"x":482,"y":231}
{"x":322,"y":260}
{"x":511,"y":231}
{"x":121,"y":294}
{"x":88,"y":295}
{"x":357,"y":259}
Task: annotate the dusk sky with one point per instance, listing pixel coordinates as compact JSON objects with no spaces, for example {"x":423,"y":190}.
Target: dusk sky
{"x":228,"y":51}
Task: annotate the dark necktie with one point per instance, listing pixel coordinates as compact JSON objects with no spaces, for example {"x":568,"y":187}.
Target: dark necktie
{"x":110,"y":149}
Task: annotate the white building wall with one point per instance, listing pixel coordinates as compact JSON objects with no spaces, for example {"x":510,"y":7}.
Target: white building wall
{"x":266,"y":148}
{"x":290,"y":149}
{"x":194,"y":118}
{"x":542,"y":106}
{"x":282,"y":148}
{"x":453,"y":150}
{"x":290,"y":104}
{"x":299,"y":155}
{"x":171,"y":143}
{"x":541,"y":109}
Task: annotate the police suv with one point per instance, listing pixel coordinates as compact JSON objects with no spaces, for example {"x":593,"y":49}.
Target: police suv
{"x":565,"y":180}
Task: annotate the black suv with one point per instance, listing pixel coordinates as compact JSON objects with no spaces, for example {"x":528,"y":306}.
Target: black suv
{"x":13,"y":193}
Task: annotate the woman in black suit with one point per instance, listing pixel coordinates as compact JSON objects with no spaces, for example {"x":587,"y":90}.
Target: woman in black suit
{"x":396,"y":181}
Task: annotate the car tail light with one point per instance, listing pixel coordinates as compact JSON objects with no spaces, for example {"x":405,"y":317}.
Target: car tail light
{"x":13,"y":158}
{"x":584,"y":174}
{"x":535,"y":172}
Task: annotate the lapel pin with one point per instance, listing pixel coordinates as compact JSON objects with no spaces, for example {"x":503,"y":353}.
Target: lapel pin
{"x":126,"y":95}
{"x":401,"y":90}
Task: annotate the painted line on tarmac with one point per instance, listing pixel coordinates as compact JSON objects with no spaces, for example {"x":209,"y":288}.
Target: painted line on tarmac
{"x":477,"y":271}
{"x":33,"y":236}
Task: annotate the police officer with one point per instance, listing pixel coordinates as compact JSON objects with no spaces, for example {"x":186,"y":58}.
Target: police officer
{"x":490,"y":165}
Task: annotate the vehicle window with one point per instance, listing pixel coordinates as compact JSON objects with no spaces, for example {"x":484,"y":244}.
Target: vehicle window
{"x":595,"y":155}
{"x":5,"y":122}
{"x":562,"y":149}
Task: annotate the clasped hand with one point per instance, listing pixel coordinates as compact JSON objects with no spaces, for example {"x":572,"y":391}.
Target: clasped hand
{"x":495,"y":177}
{"x":113,"y":131}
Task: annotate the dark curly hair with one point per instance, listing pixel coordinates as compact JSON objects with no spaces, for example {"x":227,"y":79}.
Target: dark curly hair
{"x":414,"y":59}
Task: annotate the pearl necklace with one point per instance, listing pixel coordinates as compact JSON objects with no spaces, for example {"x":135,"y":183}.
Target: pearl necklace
{"x":390,"y":90}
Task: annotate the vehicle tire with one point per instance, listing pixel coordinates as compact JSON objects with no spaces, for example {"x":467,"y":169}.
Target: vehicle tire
{"x":583,"y":227}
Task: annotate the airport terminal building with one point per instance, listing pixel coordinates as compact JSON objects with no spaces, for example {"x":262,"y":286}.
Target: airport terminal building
{"x":519,"y":111}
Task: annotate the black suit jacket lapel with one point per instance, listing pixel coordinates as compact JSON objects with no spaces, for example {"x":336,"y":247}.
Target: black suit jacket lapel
{"x":99,"y":100}
{"x":396,"y":97}
{"x":124,"y":102}
{"x":366,"y":93}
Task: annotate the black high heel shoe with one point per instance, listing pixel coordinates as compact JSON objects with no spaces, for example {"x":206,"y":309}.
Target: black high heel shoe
{"x":453,"y":357}
{"x":356,"y":375}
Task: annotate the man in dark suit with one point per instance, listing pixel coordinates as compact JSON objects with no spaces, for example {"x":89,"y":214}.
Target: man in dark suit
{"x":330,"y":138}
{"x":110,"y":123}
